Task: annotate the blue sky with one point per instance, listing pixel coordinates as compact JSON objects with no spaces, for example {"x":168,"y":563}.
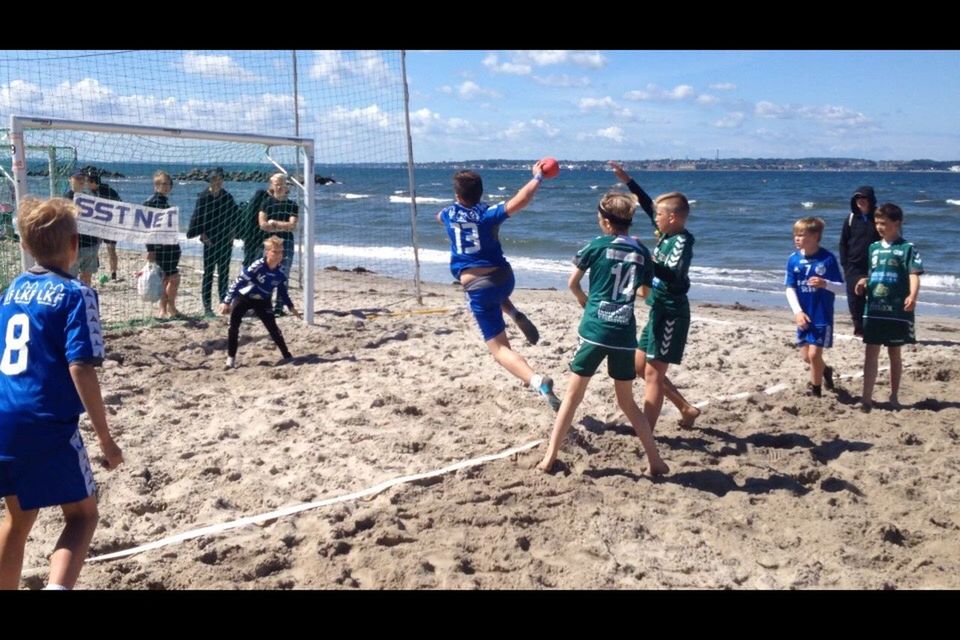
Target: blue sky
{"x":594,"y":105}
{"x":575,"y":105}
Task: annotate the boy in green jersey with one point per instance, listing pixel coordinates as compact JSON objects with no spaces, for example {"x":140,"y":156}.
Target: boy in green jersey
{"x":892,"y":286}
{"x":618,"y":266}
{"x":665,"y":334}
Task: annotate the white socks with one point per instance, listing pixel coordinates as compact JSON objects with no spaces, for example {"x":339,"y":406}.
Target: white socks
{"x":231,"y":362}
{"x":55,"y":587}
{"x":536,"y":381}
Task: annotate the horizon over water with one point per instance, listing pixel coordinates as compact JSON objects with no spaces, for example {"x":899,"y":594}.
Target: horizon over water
{"x":742,"y":222}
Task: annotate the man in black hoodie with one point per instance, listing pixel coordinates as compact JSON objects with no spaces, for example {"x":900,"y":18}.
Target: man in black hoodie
{"x":859,"y":232}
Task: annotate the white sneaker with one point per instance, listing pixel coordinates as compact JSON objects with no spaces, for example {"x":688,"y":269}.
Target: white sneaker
{"x":231,"y":363}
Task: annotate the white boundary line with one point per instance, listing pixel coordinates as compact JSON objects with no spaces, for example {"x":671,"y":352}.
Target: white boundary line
{"x":777,"y":388}
{"x":287,"y":511}
{"x":383,"y":486}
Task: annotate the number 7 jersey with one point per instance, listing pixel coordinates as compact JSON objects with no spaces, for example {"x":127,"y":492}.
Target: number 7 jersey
{"x":474,"y":235}
{"x":48,"y":320}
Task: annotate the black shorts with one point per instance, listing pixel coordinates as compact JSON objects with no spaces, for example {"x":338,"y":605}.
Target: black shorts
{"x":167,"y":257}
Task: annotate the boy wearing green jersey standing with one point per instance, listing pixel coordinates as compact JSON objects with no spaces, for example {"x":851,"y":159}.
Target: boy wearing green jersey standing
{"x":618,"y":265}
{"x":665,"y":334}
{"x":892,"y":286}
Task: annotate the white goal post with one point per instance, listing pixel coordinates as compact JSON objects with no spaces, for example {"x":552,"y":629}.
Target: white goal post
{"x":21,"y":124}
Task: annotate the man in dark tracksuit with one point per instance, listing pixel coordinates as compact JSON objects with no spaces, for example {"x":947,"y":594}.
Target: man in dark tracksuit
{"x":859,"y":232}
{"x":103,"y":190}
{"x":215,"y":221}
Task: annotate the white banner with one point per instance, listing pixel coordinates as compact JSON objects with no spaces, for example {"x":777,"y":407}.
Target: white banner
{"x":114,"y":220}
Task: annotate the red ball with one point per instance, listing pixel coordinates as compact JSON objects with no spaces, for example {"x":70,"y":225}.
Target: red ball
{"x":550,"y":167}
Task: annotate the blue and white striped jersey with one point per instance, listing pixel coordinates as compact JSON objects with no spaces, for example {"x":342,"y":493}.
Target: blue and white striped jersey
{"x":258,"y":281}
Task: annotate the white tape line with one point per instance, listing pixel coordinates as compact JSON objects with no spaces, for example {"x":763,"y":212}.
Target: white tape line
{"x":286,"y":511}
{"x":777,"y":388}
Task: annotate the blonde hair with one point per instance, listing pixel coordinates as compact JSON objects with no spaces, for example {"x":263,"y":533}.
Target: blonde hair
{"x":618,"y":208}
{"x":278,"y":177}
{"x":809,"y":224}
{"x":160,"y":173}
{"x":274,"y":242}
{"x":675,"y":203}
{"x":47,"y":227}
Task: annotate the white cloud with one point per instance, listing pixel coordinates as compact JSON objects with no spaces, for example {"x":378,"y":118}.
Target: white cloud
{"x":371,"y":116}
{"x":545,"y":128}
{"x":767,"y":109}
{"x":604,"y":104}
{"x":707,"y":99}
{"x":543,"y":58}
{"x":653,"y":92}
{"x":589,"y":59}
{"x":426,"y":123}
{"x":523,"y":62}
{"x":611,"y":133}
{"x":535,"y":127}
{"x":492,"y":62}
{"x":562,"y":80}
{"x":19,"y":92}
{"x":831,"y":115}
{"x":214,"y":66}
{"x":88,"y":99}
{"x":723,"y":86}
{"x":470,"y":90}
{"x":336,"y":66}
{"x":729,"y":121}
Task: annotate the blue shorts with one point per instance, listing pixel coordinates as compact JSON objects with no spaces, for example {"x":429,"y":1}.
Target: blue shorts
{"x":821,"y":336}
{"x":55,"y":476}
{"x":484,"y":295}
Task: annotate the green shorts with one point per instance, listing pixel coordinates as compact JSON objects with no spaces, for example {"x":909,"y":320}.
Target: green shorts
{"x":888,"y":332}
{"x":620,"y":362}
{"x":665,"y":335}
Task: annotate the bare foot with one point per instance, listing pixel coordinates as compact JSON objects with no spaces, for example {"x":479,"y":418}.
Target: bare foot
{"x":545,"y":465}
{"x":895,"y":403}
{"x":658,"y":468}
{"x":689,"y":417}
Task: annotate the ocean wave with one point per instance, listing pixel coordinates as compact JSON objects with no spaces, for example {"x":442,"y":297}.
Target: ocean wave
{"x":807,"y":205}
{"x":940,"y":282}
{"x":354,"y":196}
{"x":954,"y":202}
{"x":420,"y":199}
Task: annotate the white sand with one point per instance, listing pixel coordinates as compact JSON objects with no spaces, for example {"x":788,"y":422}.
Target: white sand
{"x":769,"y":491}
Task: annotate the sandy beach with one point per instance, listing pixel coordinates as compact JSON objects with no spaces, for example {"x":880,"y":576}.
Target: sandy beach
{"x":771,"y":489}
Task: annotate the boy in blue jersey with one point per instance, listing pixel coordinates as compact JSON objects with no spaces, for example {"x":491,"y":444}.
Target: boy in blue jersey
{"x":618,"y":266}
{"x":891,"y":287}
{"x":252,"y":290}
{"x":50,"y":341}
{"x":813,"y":279}
{"x":478,"y":263}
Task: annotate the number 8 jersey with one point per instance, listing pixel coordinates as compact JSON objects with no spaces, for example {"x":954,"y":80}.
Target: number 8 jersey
{"x":48,"y":320}
{"x":473,"y":233}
